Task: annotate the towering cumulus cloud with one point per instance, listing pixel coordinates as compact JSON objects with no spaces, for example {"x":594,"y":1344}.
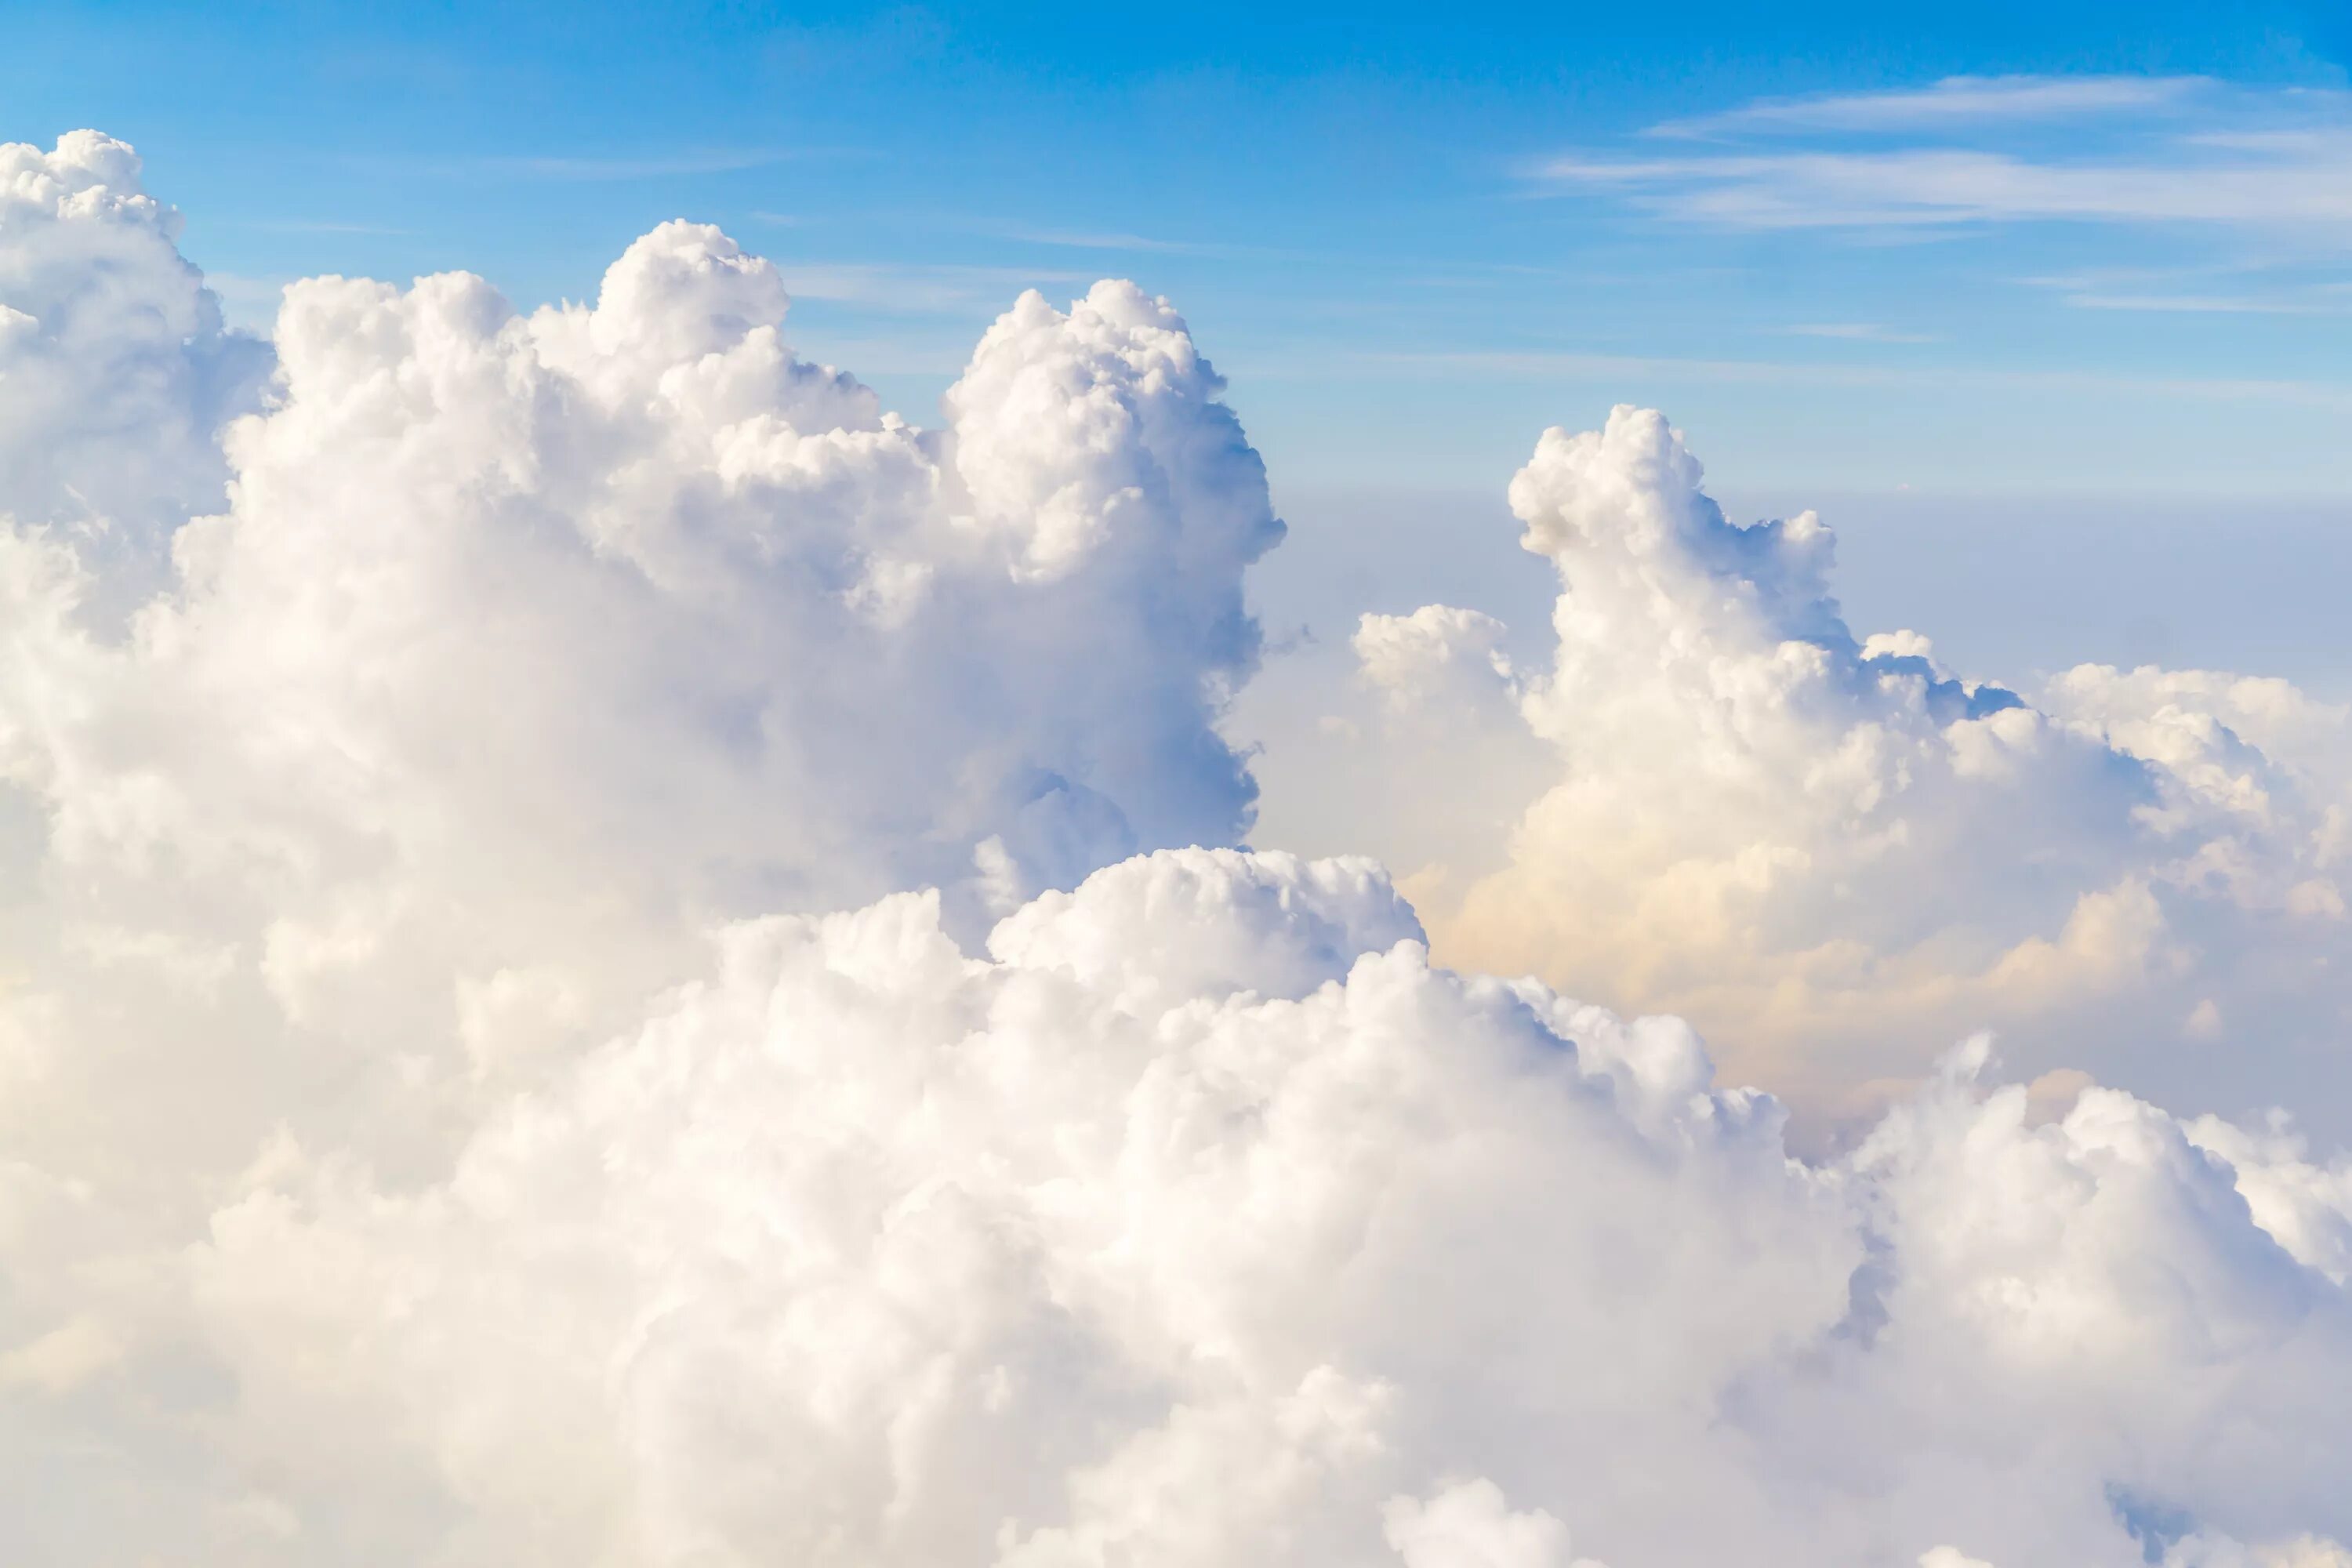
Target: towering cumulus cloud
{"x":380,"y":730}
{"x":526,"y":645}
{"x":115,"y":372}
{"x":614,"y":957}
{"x":1832,"y":851}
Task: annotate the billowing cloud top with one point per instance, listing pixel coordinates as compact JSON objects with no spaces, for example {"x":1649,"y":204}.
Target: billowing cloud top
{"x":524,"y":645}
{"x":115,"y":371}
{"x":617,"y":957}
{"x":1830,"y":851}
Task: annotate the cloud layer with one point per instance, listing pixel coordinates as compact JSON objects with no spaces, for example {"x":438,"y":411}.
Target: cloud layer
{"x":1202,"y":1220}
{"x":380,"y":730}
{"x":525,"y":645}
{"x":1820,"y":847}
{"x":618,"y":957}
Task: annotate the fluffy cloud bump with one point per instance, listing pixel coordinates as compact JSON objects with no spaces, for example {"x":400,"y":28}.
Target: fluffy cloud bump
{"x":1830,"y":850}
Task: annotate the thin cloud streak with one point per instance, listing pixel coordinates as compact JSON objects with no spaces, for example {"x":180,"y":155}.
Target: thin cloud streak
{"x":2202,"y":304}
{"x":1857,"y":333}
{"x":2278,"y":159}
{"x":1934,"y":186}
{"x":1517,"y":363}
{"x":1119,"y":240}
{"x":1954,"y":100}
{"x":1108,"y":242}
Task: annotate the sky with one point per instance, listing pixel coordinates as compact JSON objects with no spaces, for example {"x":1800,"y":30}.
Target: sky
{"x":1407,"y":228}
{"x":1995,"y":263}
{"x":1103,"y":790}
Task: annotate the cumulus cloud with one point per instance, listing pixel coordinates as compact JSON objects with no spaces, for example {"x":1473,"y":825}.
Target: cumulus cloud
{"x":1201,"y":1220}
{"x":1468,"y":1525}
{"x":116,"y":372}
{"x":1822,"y":848}
{"x":385,"y":711}
{"x":527,"y":644}
{"x":618,"y":957}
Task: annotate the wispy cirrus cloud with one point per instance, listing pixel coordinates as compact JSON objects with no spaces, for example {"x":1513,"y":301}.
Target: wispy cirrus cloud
{"x":1911,"y":186}
{"x":1954,"y":102}
{"x":1607,"y":368}
{"x":1975,"y":151}
{"x":1122,"y":241}
{"x":2241,"y":287}
{"x":1857,"y":333}
{"x":2208,"y":304}
{"x":1103,"y":240}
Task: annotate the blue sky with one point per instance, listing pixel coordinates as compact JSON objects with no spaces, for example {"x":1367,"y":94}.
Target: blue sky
{"x":2045,"y":263}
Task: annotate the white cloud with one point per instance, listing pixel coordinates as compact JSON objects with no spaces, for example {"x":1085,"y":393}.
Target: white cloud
{"x":1857,"y":332}
{"x":515,"y":650}
{"x":700,"y":613}
{"x":115,"y":369}
{"x":1438,"y":653}
{"x":1960,"y":100}
{"x":2207,"y":304}
{"x":578,"y":993}
{"x":2301,"y":186}
{"x":1821,"y":849}
{"x":2173,"y":152}
{"x":1553,"y":366}
{"x":1204,"y":1220}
